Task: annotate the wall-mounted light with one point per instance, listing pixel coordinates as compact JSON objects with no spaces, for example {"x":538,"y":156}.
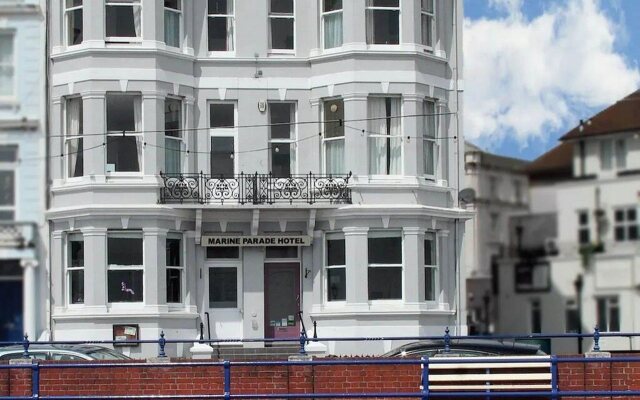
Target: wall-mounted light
{"x":307,"y":271}
{"x":262,"y":106}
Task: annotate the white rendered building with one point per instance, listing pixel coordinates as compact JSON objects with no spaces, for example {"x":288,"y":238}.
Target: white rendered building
{"x":310,"y":152}
{"x":577,"y":262}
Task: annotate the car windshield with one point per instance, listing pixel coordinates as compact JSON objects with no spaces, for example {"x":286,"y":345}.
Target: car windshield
{"x":106,"y":354}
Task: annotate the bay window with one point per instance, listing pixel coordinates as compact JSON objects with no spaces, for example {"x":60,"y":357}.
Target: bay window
{"x":385,"y":265}
{"x":385,"y":136}
{"x":75,"y":268}
{"x":123,"y":20}
{"x":73,"y":138}
{"x":430,"y":267}
{"x":125,"y":271}
{"x":282,"y":24}
{"x":608,"y":313}
{"x":383,"y":21}
{"x":172,"y":22}
{"x":73,"y":21}
{"x":124,"y":132}
{"x":8,"y":166}
{"x":220,"y":24}
{"x":173,"y":138}
{"x":332,"y":23}
{"x":222,"y":121}
{"x":427,"y":22}
{"x":429,"y":136}
{"x":333,"y":138}
{"x":282,"y":138}
{"x":335,"y":267}
{"x":7,"y":69}
{"x":174,"y":268}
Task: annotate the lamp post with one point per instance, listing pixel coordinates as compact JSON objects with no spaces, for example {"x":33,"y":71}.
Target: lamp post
{"x":578,"y":284}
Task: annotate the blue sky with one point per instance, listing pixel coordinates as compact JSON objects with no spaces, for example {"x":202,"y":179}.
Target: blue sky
{"x":534,"y":68}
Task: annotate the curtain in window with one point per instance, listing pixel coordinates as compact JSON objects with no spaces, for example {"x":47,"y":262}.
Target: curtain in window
{"x":377,"y":145}
{"x":137,"y":18}
{"x":370,"y":27}
{"x":333,"y":30}
{"x":335,"y":156}
{"x":395,"y":151}
{"x":171,"y":28}
{"x":172,"y":155}
{"x":137,"y":115}
{"x":6,"y":68}
{"x":74,"y":116}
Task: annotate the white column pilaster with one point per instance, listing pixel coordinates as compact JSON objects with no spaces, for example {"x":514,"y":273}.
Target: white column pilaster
{"x":447,"y":285}
{"x":155,"y":266}
{"x":356,"y":149}
{"x":411,"y":132}
{"x":95,"y":272}
{"x":30,"y":297}
{"x":57,"y":270}
{"x":357,"y":264}
{"x":413,"y":264}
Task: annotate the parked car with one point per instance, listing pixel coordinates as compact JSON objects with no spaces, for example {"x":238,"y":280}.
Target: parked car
{"x":79,"y":352}
{"x":465,"y":348}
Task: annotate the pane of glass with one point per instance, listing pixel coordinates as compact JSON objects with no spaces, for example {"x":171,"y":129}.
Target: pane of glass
{"x":336,"y":252}
{"x":76,"y":278}
{"x":172,"y":116}
{"x":427,"y":5}
{"x":583,"y":218}
{"x":332,"y":30}
{"x":220,"y":6}
{"x":429,"y":119}
{"x":619,"y":215}
{"x":572,"y":320}
{"x":619,"y":233}
{"x":384,"y":26}
{"x":172,"y":155}
{"x":223,"y":287}
{"x":7,"y":188}
{"x":282,"y":252}
{"x":583,"y":236}
{"x":6,"y":48}
{"x":73,"y":3}
{"x":335,"y":157}
{"x":220,"y":33}
{"x":74,"y":26}
{"x":223,"y":252}
{"x":121,"y":21}
{"x":282,"y":33}
{"x":172,"y":28}
{"x":383,"y":3}
{"x":221,"y":115}
{"x":76,"y":253}
{"x":427,"y":39}
{"x":606,"y":154}
{"x":631,"y":214}
{"x":175,"y":4}
{"x":332,"y":5}
{"x":602,"y":313}
{"x":120,"y":113}
{"x":621,"y":154}
{"x":173,"y":252}
{"x":122,"y":152}
{"x":633,"y":232}
{"x":430,"y":284}
{"x":8,"y":153}
{"x":614,"y":326}
{"x":282,"y":6}
{"x":10,"y":268}
{"x":280,"y":113}
{"x":124,"y":251}
{"x":6,"y":215}
{"x":385,"y":250}
{"x":336,"y":284}
{"x":429,"y":157}
{"x":124,"y":286}
{"x":429,"y":252}
{"x":385,"y":283}
{"x":222,"y":156}
{"x":281,"y":160}
{"x":333,"y":113}
{"x":173,"y":285}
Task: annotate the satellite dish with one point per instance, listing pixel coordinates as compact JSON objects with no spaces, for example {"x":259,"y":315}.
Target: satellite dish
{"x":467,"y":195}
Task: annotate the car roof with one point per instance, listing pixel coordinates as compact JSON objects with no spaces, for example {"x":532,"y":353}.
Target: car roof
{"x":488,"y":345}
{"x":80,"y":348}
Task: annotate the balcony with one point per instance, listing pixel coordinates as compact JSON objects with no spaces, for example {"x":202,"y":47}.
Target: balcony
{"x":254,"y":189}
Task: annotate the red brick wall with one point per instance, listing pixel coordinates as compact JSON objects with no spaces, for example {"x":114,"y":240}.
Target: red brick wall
{"x":188,"y":380}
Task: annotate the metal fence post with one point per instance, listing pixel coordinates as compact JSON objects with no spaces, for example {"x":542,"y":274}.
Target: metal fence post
{"x":596,"y":338}
{"x":447,"y":340}
{"x":227,"y":380}
{"x":25,"y":345}
{"x":35,"y":380}
{"x":161,"y":343}
{"x":303,"y":340}
{"x":425,"y":377}
{"x":554,"y":377}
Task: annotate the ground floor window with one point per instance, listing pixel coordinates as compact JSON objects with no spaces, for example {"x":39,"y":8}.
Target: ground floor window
{"x":572,"y":317}
{"x":223,"y":287}
{"x":430,"y":267}
{"x":125,"y":272}
{"x":174,"y":268}
{"x":385,"y":265}
{"x":335,"y":267}
{"x":75,"y":268}
{"x":608,"y":312}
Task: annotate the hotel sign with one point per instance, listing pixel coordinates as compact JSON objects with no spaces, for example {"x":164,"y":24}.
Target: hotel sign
{"x":256,"y":241}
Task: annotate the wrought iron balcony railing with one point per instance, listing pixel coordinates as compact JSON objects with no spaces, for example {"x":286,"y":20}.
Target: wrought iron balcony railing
{"x":254,"y":189}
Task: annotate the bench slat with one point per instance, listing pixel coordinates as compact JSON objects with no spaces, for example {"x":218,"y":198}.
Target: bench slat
{"x":490,"y":377}
{"x":489,"y":365}
{"x":492,"y":387}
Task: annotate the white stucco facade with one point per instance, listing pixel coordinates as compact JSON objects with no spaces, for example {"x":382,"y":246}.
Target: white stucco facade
{"x":228,"y":88}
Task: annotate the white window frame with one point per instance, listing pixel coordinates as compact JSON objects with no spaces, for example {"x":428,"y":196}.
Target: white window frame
{"x":610,"y":303}
{"x":283,"y":16}
{"x":327,"y":237}
{"x":180,"y":268}
{"x":432,"y":17}
{"x":69,"y":138}
{"x":181,"y":139}
{"x":583,"y":226}
{"x":292,"y":141}
{"x":131,"y":234}
{"x":10,"y":65}
{"x":607,"y":164}
{"x":433,"y":140}
{"x":226,"y":263}
{"x":385,"y":45}
{"x":138,"y":133}
{"x":326,"y":140}
{"x":387,"y":234}
{"x":571,"y":306}
{"x":324,"y":15}
{"x":372,"y":135}
{"x":626,"y":223}
{"x":229,"y":51}
{"x":67,"y":21}
{"x":435,"y":268}
{"x":12,"y":166}
{"x":180,"y":24}
{"x":224,"y":132}
{"x":124,"y":3}
{"x":73,"y":237}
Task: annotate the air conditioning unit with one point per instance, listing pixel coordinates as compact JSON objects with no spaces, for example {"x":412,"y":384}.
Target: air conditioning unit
{"x":551,"y":246}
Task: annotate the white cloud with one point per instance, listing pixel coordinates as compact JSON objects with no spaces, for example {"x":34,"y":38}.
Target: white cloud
{"x":524,"y":77}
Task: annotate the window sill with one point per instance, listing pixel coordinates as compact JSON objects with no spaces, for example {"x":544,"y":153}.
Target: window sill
{"x":221,"y":54}
{"x":281,"y":53}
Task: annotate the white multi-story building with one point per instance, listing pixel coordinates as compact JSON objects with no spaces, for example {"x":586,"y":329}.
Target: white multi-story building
{"x":248,"y":160}
{"x":575,"y":257}
{"x":500,"y":189}
{"x":23,"y":278}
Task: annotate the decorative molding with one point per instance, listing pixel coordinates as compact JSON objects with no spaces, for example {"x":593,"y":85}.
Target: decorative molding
{"x":198,"y":226}
{"x":29,"y":263}
{"x":255,"y":222}
{"x":72,"y":224}
{"x":282,"y":92}
{"x":125,"y":222}
{"x":442,"y":233}
{"x":178,"y":224}
{"x":223,"y":225}
{"x":176,"y":88}
{"x":311,"y":225}
{"x":332,"y":224}
{"x":123,"y":84}
{"x":356,"y":230}
{"x":71,"y":86}
{"x":385,"y":221}
{"x":283,"y":225}
{"x":330,"y":89}
{"x":385,"y":87}
{"x":412,"y":230}
{"x":222,"y":93}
